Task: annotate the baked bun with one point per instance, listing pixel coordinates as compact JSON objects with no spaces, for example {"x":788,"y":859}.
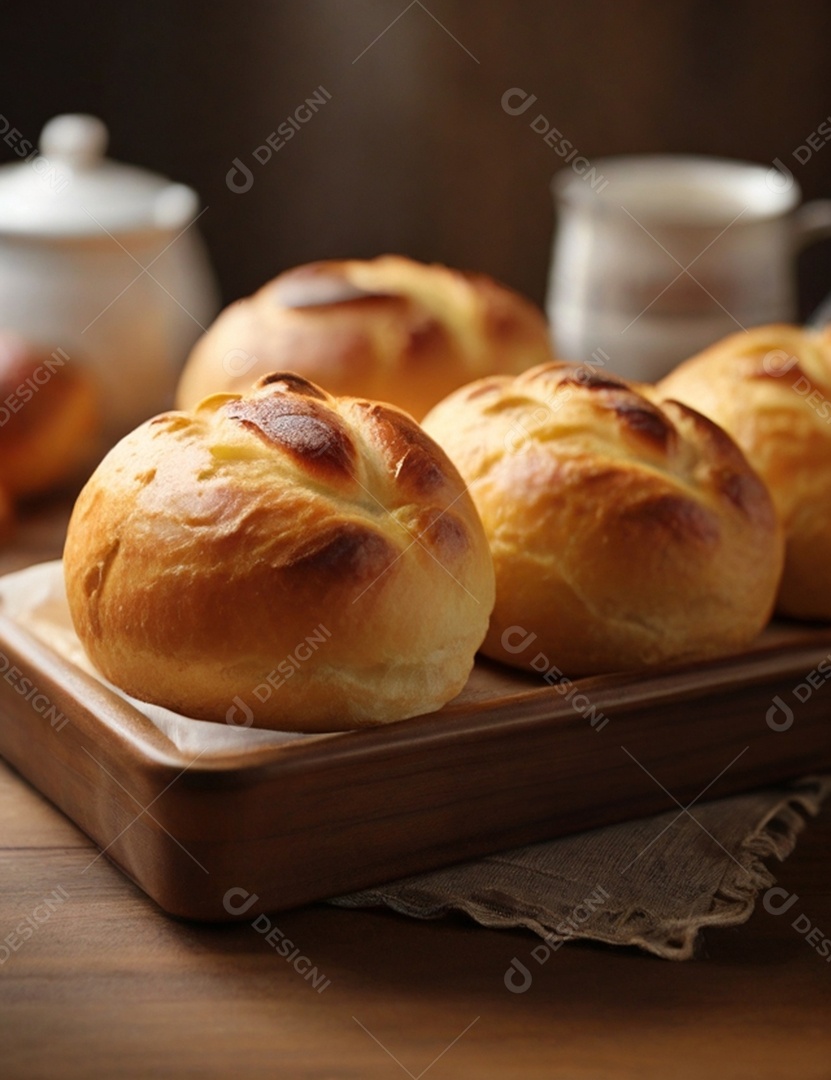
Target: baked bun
{"x":623,"y":533}
{"x":287,"y":558}
{"x":770,"y":388}
{"x":389,"y":329}
{"x":48,"y":417}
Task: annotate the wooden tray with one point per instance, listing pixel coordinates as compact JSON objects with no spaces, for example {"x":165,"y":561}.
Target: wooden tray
{"x":511,"y":761}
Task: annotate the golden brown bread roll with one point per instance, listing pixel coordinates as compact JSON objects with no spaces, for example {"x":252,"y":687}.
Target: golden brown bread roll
{"x":623,"y":534}
{"x":48,"y":416}
{"x":389,"y":329}
{"x":308,"y":562}
{"x":770,"y":388}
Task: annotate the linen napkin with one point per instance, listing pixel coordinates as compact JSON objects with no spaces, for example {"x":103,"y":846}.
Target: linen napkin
{"x":654,"y":882}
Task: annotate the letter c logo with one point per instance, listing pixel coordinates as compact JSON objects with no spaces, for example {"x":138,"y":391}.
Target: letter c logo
{"x":239,"y":187}
{"x":228,"y":900}
{"x":238,"y":362}
{"x":509,"y":646}
{"x":778,"y":363}
{"x":526,"y":99}
{"x":778,"y":893}
{"x":779,"y":177}
{"x":239,"y":706}
{"x":780,"y":706}
{"x":518,"y":968}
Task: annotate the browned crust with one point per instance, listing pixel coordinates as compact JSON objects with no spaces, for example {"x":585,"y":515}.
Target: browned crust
{"x":309,"y":431}
{"x":208,"y":544}
{"x":770,"y":389}
{"x":624,"y":532}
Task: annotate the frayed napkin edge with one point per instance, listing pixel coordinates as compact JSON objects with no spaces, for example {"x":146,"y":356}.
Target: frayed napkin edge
{"x":733,"y":901}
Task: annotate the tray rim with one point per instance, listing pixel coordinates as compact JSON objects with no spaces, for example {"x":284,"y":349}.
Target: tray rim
{"x":307,"y":820}
{"x":534,"y":707}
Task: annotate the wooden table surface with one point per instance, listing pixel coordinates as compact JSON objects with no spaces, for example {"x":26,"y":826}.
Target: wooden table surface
{"x":101,"y":984}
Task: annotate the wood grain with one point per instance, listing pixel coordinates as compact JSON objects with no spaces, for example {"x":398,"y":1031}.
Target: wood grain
{"x":509,"y":765}
{"x":109,"y":986}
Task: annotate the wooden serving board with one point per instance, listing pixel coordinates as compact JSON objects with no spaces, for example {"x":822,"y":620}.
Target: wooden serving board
{"x":509,"y":762}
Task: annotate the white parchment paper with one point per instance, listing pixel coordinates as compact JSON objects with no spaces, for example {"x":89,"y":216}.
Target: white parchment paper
{"x":36,"y":599}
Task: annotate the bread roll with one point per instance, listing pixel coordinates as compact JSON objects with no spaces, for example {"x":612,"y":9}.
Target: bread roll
{"x":623,"y":534}
{"x":770,"y":388}
{"x":286,"y":558}
{"x":48,"y":416}
{"x":389,"y":329}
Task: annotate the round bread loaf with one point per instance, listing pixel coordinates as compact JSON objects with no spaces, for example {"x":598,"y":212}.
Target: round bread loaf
{"x":623,"y":533}
{"x":389,"y":329}
{"x":286,"y":558}
{"x":48,"y":417}
{"x":770,"y":388}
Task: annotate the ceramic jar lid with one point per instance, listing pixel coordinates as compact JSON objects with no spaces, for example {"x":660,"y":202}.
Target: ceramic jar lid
{"x":69,"y":187}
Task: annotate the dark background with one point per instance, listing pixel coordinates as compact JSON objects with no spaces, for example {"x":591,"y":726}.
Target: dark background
{"x":414,"y":152}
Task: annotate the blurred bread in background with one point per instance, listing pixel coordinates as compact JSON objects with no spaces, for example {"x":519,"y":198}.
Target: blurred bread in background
{"x":390,"y":329}
{"x":49,"y":418}
{"x":623,"y":533}
{"x":770,"y":388}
